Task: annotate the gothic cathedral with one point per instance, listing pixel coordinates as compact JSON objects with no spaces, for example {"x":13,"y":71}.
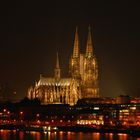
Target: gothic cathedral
{"x":83,"y":82}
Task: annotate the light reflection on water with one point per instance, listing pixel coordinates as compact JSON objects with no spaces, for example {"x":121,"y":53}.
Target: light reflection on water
{"x":14,"y":135}
{"x":21,"y":135}
{"x":96,"y":136}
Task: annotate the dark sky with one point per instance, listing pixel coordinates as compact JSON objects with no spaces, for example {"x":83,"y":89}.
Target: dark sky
{"x":32,"y":32}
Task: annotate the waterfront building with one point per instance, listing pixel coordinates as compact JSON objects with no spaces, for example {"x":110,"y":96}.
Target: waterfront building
{"x":124,"y":116}
{"x":83,"y":82}
{"x":116,"y":115}
{"x":123,"y":99}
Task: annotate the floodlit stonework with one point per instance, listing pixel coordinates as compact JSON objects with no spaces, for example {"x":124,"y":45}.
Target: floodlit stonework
{"x":83,"y":82}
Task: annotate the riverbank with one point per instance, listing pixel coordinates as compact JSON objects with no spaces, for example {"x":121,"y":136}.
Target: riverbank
{"x":28,"y":128}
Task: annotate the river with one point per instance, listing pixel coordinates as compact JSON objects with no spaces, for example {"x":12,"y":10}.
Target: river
{"x":14,"y":135}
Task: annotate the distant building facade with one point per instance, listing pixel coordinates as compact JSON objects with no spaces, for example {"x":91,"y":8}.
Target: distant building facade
{"x":123,"y":99}
{"x":83,"y":82}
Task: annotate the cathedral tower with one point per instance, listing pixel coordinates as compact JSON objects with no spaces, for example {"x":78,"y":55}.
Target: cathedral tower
{"x":89,"y":47}
{"x":75,"y":58}
{"x":76,"y":45}
{"x":90,"y":81}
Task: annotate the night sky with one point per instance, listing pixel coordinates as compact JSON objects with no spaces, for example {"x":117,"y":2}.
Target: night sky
{"x":32,"y":32}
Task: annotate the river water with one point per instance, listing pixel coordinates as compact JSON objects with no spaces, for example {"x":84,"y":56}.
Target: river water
{"x":14,"y":135}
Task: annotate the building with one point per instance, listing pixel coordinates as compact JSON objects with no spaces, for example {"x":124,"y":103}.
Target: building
{"x":56,"y":89}
{"x":123,"y":99}
{"x":84,"y":68}
{"x":83,"y":82}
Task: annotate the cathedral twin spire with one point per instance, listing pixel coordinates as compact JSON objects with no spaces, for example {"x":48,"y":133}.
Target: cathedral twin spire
{"x":57,"y":68}
{"x":76,"y":53}
{"x":84,"y":67}
{"x":76,"y":45}
{"x":89,"y":46}
{"x":57,"y":61}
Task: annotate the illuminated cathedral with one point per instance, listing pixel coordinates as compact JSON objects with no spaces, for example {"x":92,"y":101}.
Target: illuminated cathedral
{"x":83,"y":82}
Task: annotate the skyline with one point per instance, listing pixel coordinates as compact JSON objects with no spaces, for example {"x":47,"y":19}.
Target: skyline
{"x":32,"y":33}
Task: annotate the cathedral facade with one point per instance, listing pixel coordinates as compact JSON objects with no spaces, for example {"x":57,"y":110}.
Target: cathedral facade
{"x":83,"y":82}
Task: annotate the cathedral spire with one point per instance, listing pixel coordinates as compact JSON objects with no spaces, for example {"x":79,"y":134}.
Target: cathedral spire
{"x":57,"y":61}
{"x":57,"y":68}
{"x":76,"y":45}
{"x":89,"y":47}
